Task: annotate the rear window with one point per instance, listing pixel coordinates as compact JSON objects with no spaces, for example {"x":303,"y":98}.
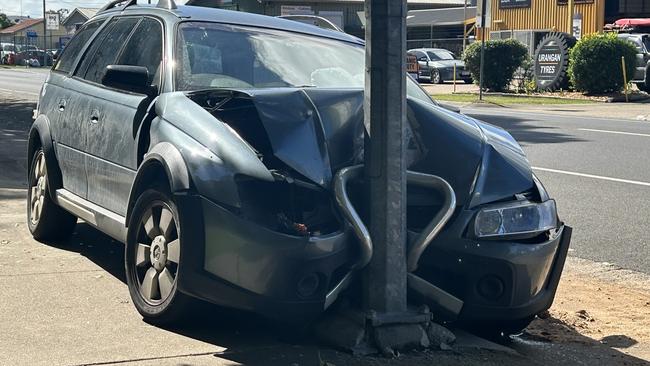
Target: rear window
{"x":66,"y":62}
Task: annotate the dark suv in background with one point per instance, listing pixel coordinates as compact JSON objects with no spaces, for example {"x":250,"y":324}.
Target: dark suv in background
{"x":642,"y":43}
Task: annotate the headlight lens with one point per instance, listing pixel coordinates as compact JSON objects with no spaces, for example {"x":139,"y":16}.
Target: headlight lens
{"x":518,"y":219}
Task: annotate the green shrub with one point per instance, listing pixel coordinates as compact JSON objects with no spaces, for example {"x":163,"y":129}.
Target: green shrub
{"x":502,"y":59}
{"x":595,"y":63}
{"x":525,"y":77}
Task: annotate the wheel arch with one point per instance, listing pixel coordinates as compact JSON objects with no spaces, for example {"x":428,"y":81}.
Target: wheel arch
{"x":40,"y":136}
{"x":162,"y":164}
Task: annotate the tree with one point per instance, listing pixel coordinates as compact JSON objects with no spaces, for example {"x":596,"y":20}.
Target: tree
{"x":4,"y":21}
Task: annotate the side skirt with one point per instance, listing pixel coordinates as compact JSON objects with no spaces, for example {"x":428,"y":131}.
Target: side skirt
{"x":106,"y":221}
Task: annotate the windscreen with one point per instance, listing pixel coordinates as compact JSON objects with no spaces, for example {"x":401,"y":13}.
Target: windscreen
{"x":216,"y":55}
{"x":439,"y":55}
{"x":212,"y":55}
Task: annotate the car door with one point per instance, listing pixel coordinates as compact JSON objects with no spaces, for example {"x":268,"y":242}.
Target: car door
{"x":57,"y":102}
{"x":114,"y":116}
{"x":423,"y":63}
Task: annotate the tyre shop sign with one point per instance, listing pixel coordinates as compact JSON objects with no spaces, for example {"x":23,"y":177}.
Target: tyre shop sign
{"x":504,"y":4}
{"x":550,"y":62}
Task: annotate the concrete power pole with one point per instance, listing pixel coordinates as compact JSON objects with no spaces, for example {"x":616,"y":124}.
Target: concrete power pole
{"x":385,"y":277}
{"x":386,"y":324}
{"x":385,"y":113}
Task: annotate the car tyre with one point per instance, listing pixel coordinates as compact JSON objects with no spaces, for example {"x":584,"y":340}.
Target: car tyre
{"x":153,"y":259}
{"x":468,"y":81}
{"x":46,"y":221}
{"x":435,"y":77}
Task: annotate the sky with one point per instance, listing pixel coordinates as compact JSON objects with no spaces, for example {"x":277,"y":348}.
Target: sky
{"x":34,"y":8}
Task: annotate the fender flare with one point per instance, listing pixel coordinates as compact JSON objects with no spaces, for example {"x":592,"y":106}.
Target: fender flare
{"x":164,"y":155}
{"x":39,"y":135}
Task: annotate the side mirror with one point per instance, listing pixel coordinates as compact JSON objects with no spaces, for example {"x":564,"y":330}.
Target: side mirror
{"x":129,"y":78}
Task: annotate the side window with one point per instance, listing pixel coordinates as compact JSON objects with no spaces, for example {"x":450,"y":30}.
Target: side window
{"x":71,"y":51}
{"x":144,"y":48}
{"x":105,"y":49}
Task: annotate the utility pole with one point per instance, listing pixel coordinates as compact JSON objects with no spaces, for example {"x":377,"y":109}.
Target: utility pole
{"x":386,"y":323}
{"x":464,"y":25}
{"x":385,"y":113}
{"x":483,"y":25}
{"x":44,"y":35}
{"x":571,"y":8}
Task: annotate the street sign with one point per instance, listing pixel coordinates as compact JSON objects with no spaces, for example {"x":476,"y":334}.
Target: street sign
{"x":577,"y":26}
{"x":31,"y":34}
{"x":412,"y":65}
{"x":52,"y":21}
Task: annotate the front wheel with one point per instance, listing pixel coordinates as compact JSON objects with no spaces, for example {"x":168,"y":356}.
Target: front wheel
{"x":153,"y":258}
{"x":46,"y":220}
{"x":435,"y":76}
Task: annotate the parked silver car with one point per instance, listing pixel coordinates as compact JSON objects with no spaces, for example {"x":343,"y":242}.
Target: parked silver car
{"x":436,"y":65}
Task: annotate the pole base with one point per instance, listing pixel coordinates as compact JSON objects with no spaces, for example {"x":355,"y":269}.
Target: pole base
{"x":365,"y":333}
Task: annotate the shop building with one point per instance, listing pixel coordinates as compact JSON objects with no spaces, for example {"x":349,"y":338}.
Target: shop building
{"x":529,"y":20}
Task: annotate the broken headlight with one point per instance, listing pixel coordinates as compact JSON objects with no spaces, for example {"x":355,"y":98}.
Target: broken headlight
{"x":521,"y":219}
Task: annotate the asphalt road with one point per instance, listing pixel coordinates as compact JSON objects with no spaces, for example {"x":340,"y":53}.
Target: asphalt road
{"x":598,"y":170}
{"x":22,"y":82}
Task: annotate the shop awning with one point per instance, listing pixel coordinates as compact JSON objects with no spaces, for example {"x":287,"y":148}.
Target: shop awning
{"x":441,"y":17}
{"x":435,"y":17}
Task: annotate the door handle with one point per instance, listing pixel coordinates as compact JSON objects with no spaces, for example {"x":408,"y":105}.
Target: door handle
{"x":62,"y":103}
{"x":94,"y":116}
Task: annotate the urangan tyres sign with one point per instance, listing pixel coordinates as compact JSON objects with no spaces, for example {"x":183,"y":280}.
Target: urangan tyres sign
{"x":504,"y":4}
{"x":551,"y":61}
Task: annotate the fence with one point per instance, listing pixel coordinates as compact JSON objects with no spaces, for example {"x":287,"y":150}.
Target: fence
{"x":454,"y":45}
{"x":24,"y":48}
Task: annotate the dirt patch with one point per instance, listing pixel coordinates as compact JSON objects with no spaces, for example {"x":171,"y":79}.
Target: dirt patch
{"x":597,"y":303}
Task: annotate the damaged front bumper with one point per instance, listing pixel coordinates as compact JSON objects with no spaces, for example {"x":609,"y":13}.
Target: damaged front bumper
{"x":236,"y":263}
{"x":498,"y":281}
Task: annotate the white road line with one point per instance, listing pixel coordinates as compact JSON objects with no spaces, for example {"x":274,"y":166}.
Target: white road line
{"x":636,"y":182}
{"x":18,"y":91}
{"x":615,"y":132}
{"x":545,"y":114}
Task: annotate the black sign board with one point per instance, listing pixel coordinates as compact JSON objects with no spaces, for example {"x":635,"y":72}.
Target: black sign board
{"x":564,"y":2}
{"x":505,"y":4}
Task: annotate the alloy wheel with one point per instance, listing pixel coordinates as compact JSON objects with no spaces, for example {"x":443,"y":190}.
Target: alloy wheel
{"x":435,"y":78}
{"x":157,"y":253}
{"x":38,"y":189}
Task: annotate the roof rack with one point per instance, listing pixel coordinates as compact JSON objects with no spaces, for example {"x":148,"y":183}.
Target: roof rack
{"x":165,"y":4}
{"x":316,"y":20}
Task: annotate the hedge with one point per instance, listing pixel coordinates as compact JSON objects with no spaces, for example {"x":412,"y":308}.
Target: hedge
{"x":502,"y":59}
{"x":595,"y":63}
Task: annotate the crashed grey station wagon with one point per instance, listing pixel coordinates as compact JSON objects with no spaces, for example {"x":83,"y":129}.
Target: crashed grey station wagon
{"x":226,"y":151}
